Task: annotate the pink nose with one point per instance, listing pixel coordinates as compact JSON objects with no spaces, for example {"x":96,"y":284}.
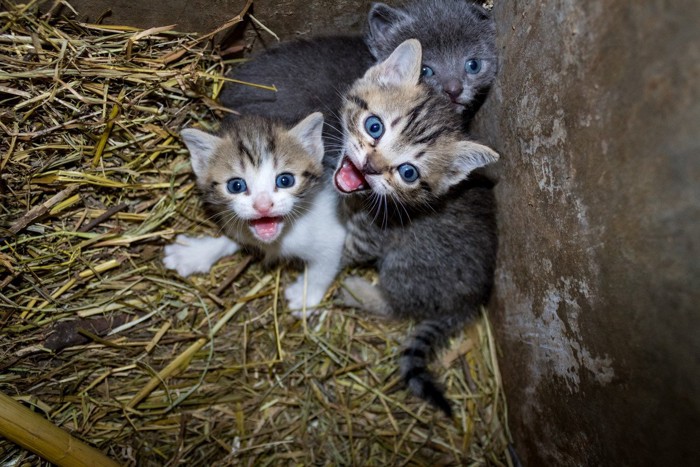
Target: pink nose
{"x":263,"y":204}
{"x":453,"y":88}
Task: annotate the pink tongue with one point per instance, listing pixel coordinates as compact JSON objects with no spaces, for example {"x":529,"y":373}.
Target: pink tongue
{"x":266,"y":227}
{"x":348,"y":178}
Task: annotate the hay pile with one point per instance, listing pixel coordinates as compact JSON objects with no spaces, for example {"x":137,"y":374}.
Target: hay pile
{"x":151,"y":368}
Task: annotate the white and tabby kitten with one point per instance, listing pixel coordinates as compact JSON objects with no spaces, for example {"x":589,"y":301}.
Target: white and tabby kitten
{"x":264,"y":185}
{"x":415,"y":211}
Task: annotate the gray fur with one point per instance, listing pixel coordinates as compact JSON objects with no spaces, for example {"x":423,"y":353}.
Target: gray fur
{"x":310,"y":76}
{"x":436,"y":269}
{"x":450,"y":32}
{"x":438,"y":263}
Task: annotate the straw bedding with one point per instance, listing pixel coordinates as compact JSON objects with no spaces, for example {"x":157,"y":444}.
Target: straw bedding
{"x":151,"y":368}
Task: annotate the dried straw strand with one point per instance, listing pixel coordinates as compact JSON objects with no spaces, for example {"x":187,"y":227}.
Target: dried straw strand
{"x":31,"y":431}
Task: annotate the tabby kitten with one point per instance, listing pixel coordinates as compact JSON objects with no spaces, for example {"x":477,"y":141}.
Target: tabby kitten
{"x":415,"y":211}
{"x":264,"y":185}
{"x":458,"y":38}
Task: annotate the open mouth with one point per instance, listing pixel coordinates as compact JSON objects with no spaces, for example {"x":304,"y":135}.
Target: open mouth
{"x":348,"y":178}
{"x":267,"y":229}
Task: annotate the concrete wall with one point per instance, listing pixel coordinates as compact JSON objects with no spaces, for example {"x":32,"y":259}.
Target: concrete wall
{"x":189,"y":15}
{"x":290,"y":18}
{"x":286,"y":18}
{"x":597,"y":116}
{"x":597,"y":304}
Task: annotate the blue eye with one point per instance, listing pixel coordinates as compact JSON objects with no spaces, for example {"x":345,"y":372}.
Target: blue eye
{"x":236,"y":186}
{"x":285,"y":180}
{"x":408,"y":172}
{"x":473,"y":66}
{"x":374,"y":127}
{"x":426,"y":71}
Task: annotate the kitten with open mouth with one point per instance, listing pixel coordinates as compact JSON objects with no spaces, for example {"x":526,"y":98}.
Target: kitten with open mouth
{"x":265,"y":186}
{"x":415,"y":211}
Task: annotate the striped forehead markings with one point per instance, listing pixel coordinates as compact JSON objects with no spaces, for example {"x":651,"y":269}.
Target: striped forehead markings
{"x":268,"y":137}
{"x":358,"y":101}
{"x":243,"y":149}
{"x":271,"y":140}
{"x":431,"y":137}
{"x":413,"y":116}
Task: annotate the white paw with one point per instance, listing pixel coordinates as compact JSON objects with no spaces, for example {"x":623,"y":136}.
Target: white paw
{"x":189,"y":255}
{"x":309,"y":313}
{"x":294,"y":294}
{"x":182,"y":257}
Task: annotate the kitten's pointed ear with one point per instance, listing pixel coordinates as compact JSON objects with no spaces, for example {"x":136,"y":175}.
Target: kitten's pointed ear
{"x":201,"y":146}
{"x":468,"y":156}
{"x":309,"y":132}
{"x":403,"y":65}
{"x":381,"y":20}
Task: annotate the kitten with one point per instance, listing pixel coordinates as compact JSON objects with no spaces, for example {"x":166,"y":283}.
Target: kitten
{"x":264,"y":185}
{"x":458,"y":39}
{"x":430,"y":231}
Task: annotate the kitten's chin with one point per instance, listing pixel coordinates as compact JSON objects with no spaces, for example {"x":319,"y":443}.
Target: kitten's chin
{"x":266,"y":229}
{"x":348,"y":178}
{"x":458,"y":108}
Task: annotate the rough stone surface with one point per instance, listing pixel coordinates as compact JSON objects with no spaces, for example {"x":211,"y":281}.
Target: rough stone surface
{"x":285,"y":18}
{"x":189,"y":15}
{"x":596,"y":115}
{"x":291,"y":18}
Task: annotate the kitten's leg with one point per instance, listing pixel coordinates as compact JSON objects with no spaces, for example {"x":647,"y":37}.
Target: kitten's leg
{"x":360,"y":293}
{"x":322,"y":265}
{"x":364,"y":241}
{"x":319,"y":277}
{"x":189,"y":254}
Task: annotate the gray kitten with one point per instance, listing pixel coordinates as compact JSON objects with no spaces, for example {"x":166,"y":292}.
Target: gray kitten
{"x":413,"y":211}
{"x":458,"y":38}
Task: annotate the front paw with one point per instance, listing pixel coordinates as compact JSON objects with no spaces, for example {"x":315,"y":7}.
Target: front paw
{"x":185,"y":256}
{"x":296,"y":298}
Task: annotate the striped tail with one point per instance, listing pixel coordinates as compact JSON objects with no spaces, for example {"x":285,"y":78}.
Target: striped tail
{"x":428,"y":338}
